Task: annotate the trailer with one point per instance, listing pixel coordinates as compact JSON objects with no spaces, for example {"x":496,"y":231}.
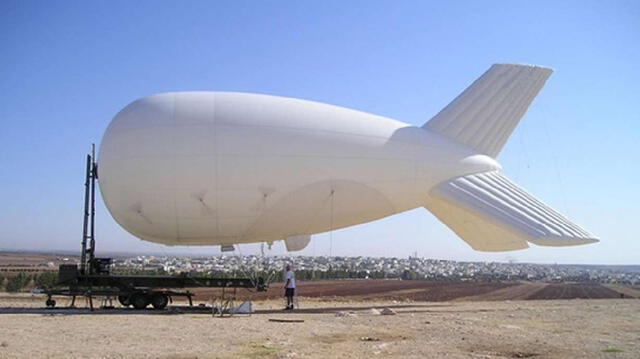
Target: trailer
{"x":139,"y":291}
{"x":93,"y":277}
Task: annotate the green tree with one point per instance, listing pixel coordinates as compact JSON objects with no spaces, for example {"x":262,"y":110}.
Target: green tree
{"x":14,"y":284}
{"x":47,"y":279}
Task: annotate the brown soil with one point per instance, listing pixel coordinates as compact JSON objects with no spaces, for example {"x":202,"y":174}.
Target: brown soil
{"x":429,"y":291}
{"x":520,"y":291}
{"x":627,"y":291}
{"x":574,"y":290}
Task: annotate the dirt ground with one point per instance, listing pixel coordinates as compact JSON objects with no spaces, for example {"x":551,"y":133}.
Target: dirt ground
{"x":579,"y":328}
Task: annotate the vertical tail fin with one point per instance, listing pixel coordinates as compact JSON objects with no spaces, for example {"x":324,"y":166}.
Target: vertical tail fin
{"x":486,"y":113}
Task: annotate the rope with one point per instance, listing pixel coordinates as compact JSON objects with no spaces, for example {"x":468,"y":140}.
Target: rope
{"x":331,"y":226}
{"x":255,"y":274}
{"x":554,"y":157}
{"x":252,"y":278}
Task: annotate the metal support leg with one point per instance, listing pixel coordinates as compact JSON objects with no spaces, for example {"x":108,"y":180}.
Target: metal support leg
{"x":90,"y":301}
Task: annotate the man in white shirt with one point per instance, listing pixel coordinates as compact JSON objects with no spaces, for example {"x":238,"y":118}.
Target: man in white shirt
{"x":289,"y":286}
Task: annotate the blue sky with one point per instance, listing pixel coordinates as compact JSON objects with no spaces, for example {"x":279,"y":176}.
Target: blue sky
{"x":67,"y":67}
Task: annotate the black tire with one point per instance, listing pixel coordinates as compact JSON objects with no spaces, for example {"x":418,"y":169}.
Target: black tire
{"x":124,"y":300}
{"x":159,"y":300}
{"x":139,"y":300}
{"x":50,"y":303}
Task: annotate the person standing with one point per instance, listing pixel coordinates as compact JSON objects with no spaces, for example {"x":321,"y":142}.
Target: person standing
{"x":289,"y":286}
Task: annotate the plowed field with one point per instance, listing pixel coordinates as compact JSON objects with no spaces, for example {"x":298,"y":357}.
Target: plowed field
{"x":574,"y":290}
{"x":431,"y":291}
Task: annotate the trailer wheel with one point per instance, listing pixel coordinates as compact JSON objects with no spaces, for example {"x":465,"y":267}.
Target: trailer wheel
{"x":159,"y":300}
{"x":124,"y":300}
{"x":50,"y":303}
{"x":139,"y":300}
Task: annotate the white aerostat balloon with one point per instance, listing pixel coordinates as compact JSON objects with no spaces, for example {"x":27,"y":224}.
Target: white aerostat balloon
{"x":216,"y":168}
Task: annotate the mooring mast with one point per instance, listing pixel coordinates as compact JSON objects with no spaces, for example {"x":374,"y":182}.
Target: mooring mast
{"x":88,"y":226}
{"x":94,"y":276}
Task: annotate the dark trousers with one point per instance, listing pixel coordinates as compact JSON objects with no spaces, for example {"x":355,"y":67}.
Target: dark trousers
{"x":289,"y":292}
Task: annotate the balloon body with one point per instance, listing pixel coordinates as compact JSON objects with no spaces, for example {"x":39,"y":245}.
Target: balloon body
{"x":208,"y":168}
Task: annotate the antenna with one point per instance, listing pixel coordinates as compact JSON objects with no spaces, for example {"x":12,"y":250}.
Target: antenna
{"x":85,"y":223}
{"x":92,"y":246}
{"x":88,"y":225}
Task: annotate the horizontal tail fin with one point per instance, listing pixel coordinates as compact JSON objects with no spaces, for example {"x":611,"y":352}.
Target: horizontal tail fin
{"x":486,"y":113}
{"x":491,"y":213}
